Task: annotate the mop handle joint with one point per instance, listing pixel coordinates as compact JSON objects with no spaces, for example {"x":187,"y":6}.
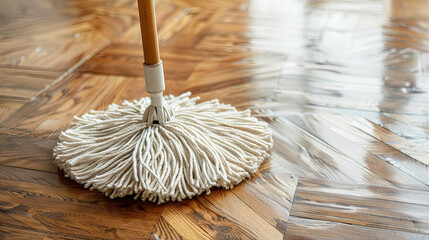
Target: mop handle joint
{"x":154,"y":78}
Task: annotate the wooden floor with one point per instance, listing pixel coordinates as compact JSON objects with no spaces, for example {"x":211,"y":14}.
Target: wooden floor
{"x":344,"y":84}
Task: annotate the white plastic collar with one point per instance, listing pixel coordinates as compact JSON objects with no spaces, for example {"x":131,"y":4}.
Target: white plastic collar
{"x":154,"y":78}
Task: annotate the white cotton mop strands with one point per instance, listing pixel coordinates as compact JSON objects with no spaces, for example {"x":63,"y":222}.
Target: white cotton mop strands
{"x":162,"y":148}
{"x":193,"y":148}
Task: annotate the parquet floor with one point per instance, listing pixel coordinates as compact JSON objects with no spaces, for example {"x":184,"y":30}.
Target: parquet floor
{"x":343,"y":84}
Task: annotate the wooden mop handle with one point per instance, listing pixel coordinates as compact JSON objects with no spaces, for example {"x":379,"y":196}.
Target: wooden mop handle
{"x":148,"y":31}
{"x":153,"y":71}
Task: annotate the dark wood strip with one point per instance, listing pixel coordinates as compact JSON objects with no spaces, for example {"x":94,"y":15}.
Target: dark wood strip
{"x":55,"y":109}
{"x":73,"y":210}
{"x":33,"y":176}
{"x":24,"y":233}
{"x":26,"y":152}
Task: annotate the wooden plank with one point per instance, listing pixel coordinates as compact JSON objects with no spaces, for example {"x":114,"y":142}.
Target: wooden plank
{"x":317,"y":158}
{"x":410,"y":129}
{"x":266,"y":198}
{"x":127,"y":59}
{"x":61,"y":37}
{"x":234,"y":69}
{"x":418,"y":121}
{"x":415,"y":149}
{"x":304,"y":228}
{"x":9,"y":106}
{"x":70,"y":210}
{"x":195,"y":27}
{"x":163,"y":230}
{"x":54,"y":110}
{"x":220,"y":215}
{"x":24,"y":83}
{"x":370,"y":152}
{"x":27,"y":234}
{"x":25,"y":152}
{"x":53,"y":49}
{"x":362,"y":205}
{"x":269,"y":193}
{"x":233,"y":208}
{"x":30,"y":176}
{"x":181,"y":219}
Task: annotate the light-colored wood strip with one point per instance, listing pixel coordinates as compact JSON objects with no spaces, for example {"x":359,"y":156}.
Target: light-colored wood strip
{"x":188,"y":36}
{"x":24,"y":83}
{"x":220,"y":215}
{"x":163,"y":230}
{"x":371,"y":153}
{"x":180,"y":218}
{"x":309,"y":229}
{"x":314,"y":154}
{"x":363,"y":205}
{"x":418,"y":121}
{"x":367,"y":191}
{"x":417,"y":150}
{"x":58,"y":50}
{"x":232,"y":207}
{"x":269,"y":193}
{"x":127,"y":59}
{"x":312,"y":100}
{"x":379,"y":147}
{"x":411,"y":129}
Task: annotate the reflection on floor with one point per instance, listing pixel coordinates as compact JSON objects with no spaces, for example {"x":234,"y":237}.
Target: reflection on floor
{"x":343,"y":84}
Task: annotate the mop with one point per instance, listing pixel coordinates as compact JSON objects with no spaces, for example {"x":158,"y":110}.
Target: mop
{"x":162,"y":148}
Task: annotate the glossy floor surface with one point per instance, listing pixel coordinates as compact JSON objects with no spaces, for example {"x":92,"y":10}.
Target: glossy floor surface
{"x":343,"y":84}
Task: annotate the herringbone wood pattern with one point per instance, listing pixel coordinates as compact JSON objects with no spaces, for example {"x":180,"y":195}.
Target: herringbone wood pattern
{"x":343,"y":84}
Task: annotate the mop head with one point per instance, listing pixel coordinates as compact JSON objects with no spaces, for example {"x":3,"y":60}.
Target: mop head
{"x":193,"y":147}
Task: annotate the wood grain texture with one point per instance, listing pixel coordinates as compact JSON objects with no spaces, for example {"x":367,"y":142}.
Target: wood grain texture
{"x":27,"y":152}
{"x":253,"y":210}
{"x":220,"y":215}
{"x":24,"y":83}
{"x":148,"y":29}
{"x":397,"y":210}
{"x":374,"y":155}
{"x":54,"y":109}
{"x":342,"y":84}
{"x":37,"y":204}
{"x":309,"y":229}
